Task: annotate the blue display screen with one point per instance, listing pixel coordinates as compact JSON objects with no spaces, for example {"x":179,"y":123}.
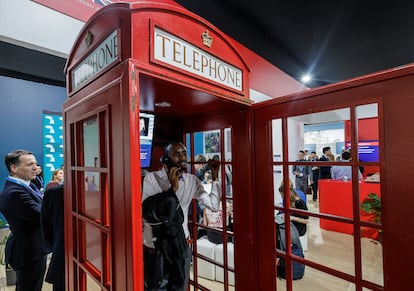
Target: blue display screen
{"x":368,"y":150}
{"x":146,"y":129}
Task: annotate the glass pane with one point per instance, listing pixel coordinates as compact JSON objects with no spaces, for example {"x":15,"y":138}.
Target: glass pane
{"x":91,"y":284}
{"x":188,"y":142}
{"x":228,"y":159}
{"x":330,"y":247}
{"x":315,"y":131}
{"x":91,"y":142}
{"x":92,"y":195}
{"x":335,"y":197}
{"x":368,"y":136}
{"x":370,"y":202}
{"x":218,"y":254}
{"x":277,"y":141}
{"x":315,"y":280}
{"x":212,"y":143}
{"x":93,"y":246}
{"x":210,"y":275}
{"x":277,"y":182}
{"x":371,"y":255}
{"x":229,"y":180}
{"x":227,"y":145}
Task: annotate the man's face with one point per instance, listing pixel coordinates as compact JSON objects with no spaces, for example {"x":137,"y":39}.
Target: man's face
{"x":301,"y":156}
{"x":38,"y":170}
{"x":178,"y":155}
{"x":25,"y":169}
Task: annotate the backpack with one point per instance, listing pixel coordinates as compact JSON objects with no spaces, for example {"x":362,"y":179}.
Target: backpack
{"x":298,"y":268}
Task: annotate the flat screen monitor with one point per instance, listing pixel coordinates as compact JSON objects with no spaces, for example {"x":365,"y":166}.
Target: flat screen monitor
{"x":146,"y":129}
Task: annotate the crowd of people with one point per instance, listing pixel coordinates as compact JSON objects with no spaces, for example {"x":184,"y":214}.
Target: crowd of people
{"x":36,"y":218}
{"x":307,"y":177}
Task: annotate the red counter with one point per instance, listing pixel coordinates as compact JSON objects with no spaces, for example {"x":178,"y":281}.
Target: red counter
{"x":335,"y":197}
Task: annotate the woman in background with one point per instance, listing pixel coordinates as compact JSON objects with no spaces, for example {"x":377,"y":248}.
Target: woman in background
{"x":56,"y":180}
{"x":300,"y":221}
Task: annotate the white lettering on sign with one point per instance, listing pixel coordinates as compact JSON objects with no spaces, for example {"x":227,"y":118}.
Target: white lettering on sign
{"x":104,"y":55}
{"x":181,"y":54}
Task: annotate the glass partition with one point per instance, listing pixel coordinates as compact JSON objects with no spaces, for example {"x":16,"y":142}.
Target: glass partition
{"x":328,"y":183}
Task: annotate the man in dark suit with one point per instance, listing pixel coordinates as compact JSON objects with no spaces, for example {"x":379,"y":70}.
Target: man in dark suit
{"x":325,"y":171}
{"x":52,"y":227}
{"x":20,"y":202}
{"x":303,"y":174}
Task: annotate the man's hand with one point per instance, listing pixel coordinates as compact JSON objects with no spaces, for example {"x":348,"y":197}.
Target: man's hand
{"x":214,"y":165}
{"x":174,"y":175}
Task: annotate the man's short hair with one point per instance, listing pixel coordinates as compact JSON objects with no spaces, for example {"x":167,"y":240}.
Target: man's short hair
{"x":325,"y":149}
{"x":12,"y":158}
{"x":346,"y":155}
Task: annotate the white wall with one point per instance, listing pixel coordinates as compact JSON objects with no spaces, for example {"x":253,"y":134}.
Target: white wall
{"x":31,"y":25}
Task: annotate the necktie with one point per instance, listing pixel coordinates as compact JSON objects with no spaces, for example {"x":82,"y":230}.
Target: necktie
{"x":35,"y":189}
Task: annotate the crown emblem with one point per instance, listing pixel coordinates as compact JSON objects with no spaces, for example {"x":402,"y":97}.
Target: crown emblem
{"x":88,"y":39}
{"x":207,"y":39}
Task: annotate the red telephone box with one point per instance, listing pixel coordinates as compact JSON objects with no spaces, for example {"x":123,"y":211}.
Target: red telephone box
{"x":160,"y":59}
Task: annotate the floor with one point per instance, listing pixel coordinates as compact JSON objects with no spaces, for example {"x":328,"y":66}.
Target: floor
{"x":334,"y":249}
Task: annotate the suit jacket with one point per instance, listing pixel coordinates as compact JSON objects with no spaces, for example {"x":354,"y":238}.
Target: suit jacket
{"x":324,"y":171}
{"x":52,"y":226}
{"x":305,"y":170}
{"x":21,"y":208}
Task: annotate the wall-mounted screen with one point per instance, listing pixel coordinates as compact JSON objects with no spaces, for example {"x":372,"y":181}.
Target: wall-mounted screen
{"x":146,"y":130}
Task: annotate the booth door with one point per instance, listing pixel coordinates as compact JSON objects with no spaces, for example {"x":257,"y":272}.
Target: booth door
{"x":341,"y":246}
{"x":222,"y":241}
{"x":95,"y":249}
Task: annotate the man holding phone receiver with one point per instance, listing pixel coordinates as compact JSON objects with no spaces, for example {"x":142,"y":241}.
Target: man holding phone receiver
{"x":173,"y":181}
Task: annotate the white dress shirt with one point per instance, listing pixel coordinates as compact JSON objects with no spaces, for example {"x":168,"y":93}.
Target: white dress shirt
{"x":190,"y":187}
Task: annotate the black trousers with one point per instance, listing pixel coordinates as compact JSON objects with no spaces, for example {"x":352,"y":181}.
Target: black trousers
{"x":30,"y":276}
{"x":150,"y":261}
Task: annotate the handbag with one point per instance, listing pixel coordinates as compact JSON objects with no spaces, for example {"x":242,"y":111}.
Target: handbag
{"x":309,"y":190}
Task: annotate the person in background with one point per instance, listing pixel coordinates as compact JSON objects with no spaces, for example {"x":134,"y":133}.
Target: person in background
{"x":331,"y":157}
{"x":315,"y":173}
{"x":344,"y":172}
{"x":167,"y":188}
{"x":307,"y":156}
{"x":215,"y":219}
{"x":56,"y":180}
{"x":303,"y":174}
{"x":300,"y":221}
{"x":52,"y":229}
{"x":325,"y":171}
{"x":200,"y":166}
{"x":38,"y":181}
{"x":20,"y":202}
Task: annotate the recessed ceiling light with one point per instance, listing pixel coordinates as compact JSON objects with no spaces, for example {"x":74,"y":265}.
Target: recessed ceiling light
{"x":163,"y":104}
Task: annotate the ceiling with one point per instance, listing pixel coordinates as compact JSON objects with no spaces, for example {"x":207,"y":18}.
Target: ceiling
{"x":330,"y":40}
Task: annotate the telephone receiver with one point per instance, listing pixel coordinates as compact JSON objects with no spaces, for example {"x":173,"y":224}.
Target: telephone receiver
{"x":165,"y":160}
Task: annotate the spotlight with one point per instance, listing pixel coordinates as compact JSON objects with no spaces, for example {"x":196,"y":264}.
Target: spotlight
{"x":306,"y":78}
